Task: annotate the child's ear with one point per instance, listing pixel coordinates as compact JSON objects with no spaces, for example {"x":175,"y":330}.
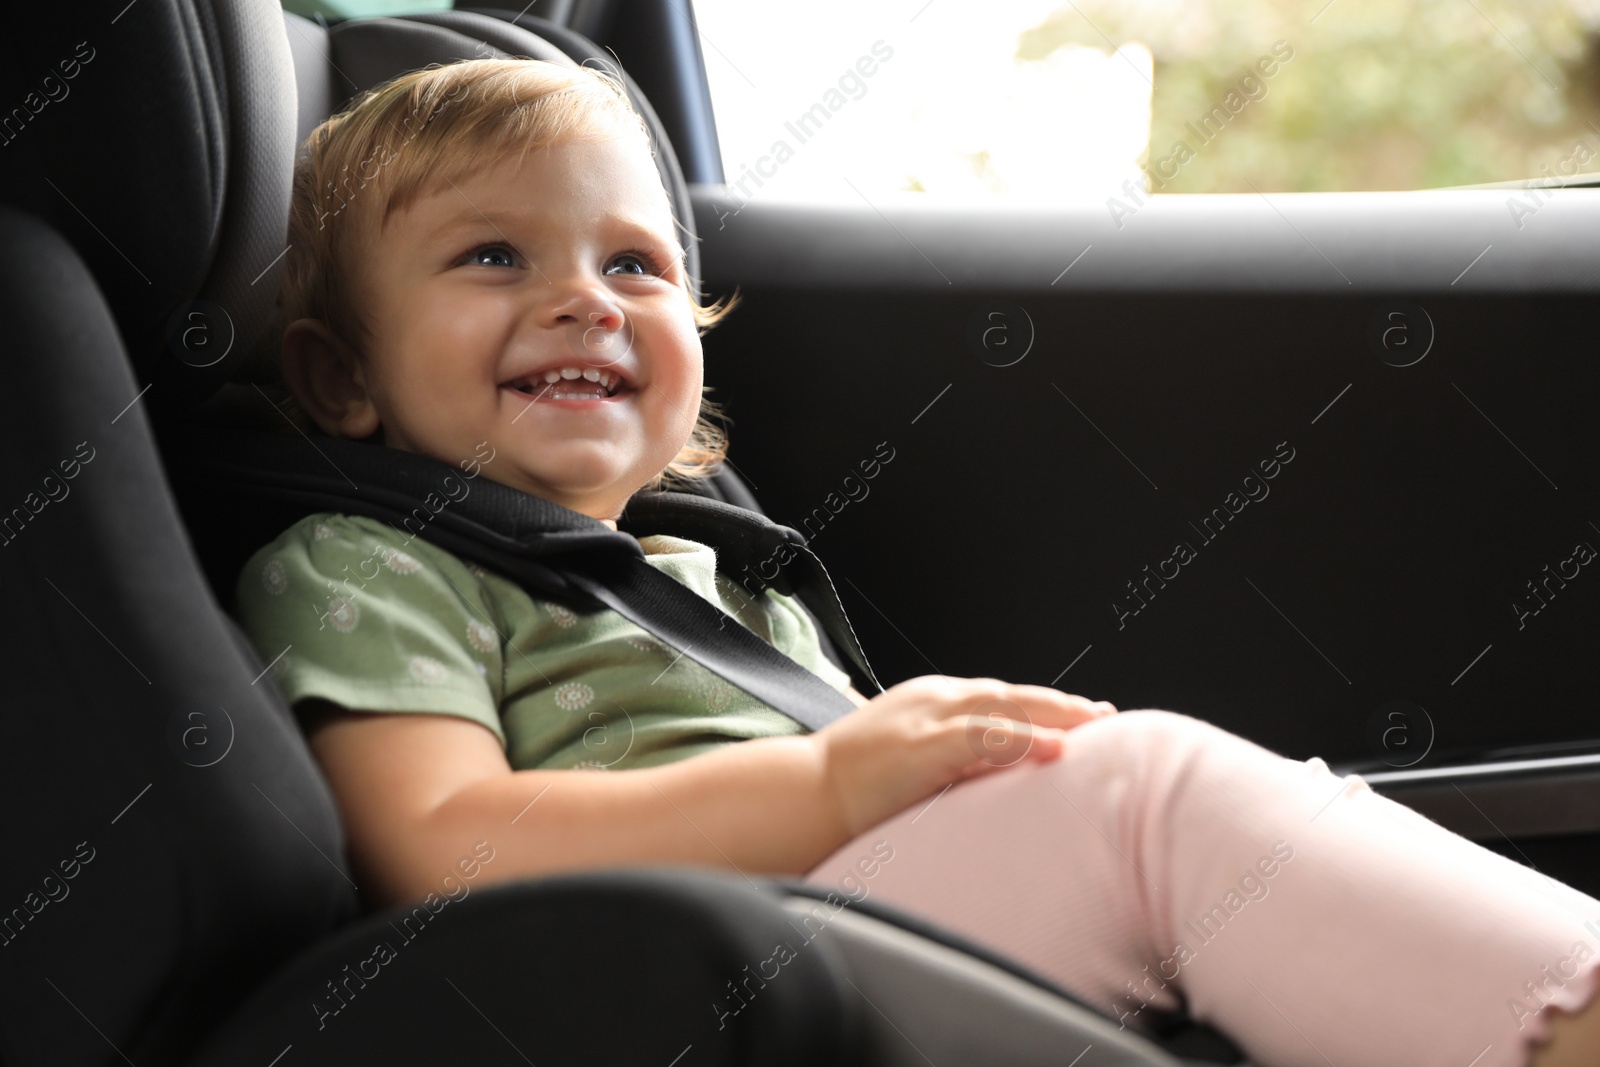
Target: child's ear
{"x":328,"y":379}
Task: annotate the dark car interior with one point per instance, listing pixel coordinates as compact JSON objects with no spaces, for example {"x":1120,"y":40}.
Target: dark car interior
{"x":1063,"y":464}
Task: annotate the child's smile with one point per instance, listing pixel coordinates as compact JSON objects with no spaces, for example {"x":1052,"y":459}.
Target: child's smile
{"x":539,"y":304}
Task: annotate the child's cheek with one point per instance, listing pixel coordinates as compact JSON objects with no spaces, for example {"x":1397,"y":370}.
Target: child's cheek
{"x":682,"y":338}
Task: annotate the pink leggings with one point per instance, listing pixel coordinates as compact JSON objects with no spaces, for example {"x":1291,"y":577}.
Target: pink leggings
{"x":1163,"y":863}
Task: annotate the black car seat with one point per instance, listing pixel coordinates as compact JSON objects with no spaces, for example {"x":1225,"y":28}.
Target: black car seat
{"x":175,"y":889}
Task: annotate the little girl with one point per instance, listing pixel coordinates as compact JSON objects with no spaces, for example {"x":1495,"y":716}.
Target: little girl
{"x":484,"y":269}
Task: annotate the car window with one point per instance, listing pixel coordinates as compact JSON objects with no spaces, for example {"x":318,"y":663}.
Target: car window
{"x":1051,"y":100}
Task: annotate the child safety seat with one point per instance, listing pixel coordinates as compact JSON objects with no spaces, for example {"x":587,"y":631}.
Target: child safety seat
{"x":175,"y":889}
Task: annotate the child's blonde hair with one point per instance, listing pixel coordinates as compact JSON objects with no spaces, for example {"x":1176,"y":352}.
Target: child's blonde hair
{"x":408,"y":136}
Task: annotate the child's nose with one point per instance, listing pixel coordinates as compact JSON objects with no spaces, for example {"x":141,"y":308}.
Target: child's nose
{"x":599,"y":315}
{"x":591,"y":324}
{"x":598,"y":337}
{"x":585,"y":304}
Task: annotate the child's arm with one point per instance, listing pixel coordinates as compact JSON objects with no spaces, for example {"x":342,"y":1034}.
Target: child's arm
{"x":418,"y":792}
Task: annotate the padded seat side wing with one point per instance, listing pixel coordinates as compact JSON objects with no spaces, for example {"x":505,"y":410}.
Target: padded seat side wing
{"x":155,"y":793}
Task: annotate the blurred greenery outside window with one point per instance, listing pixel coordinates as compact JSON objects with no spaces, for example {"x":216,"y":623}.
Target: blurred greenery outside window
{"x":1051,"y":100}
{"x":351,"y":9}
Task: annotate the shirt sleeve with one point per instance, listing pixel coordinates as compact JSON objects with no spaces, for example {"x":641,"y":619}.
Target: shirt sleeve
{"x":345,"y":615}
{"x":795,"y":636}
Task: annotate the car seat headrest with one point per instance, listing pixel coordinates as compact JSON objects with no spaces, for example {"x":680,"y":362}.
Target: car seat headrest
{"x":155,"y":142}
{"x":331,"y":66}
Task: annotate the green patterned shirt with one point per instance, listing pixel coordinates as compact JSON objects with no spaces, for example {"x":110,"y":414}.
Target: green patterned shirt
{"x":348,"y":609}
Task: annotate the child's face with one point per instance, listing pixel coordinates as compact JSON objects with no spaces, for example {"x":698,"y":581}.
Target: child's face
{"x":569,"y":260}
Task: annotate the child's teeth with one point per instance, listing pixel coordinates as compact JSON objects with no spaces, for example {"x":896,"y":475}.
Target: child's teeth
{"x":605,"y":379}
{"x":572,"y":373}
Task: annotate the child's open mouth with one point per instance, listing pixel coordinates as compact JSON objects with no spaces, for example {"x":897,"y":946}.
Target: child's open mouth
{"x":571,"y":385}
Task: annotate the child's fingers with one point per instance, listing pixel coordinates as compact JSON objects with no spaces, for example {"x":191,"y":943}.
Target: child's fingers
{"x":1002,"y":722}
{"x":978,"y":695}
{"x":1039,"y":746}
{"x":1042,"y":707}
{"x":1048,"y":745}
{"x":1034,"y":698}
{"x":1001,"y":740}
{"x":1046,"y":696}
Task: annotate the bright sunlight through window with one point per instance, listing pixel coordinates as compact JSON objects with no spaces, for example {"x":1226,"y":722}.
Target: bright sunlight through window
{"x":1059,"y":100}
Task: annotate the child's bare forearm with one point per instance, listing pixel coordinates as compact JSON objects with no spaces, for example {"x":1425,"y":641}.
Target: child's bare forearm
{"x":762,"y":807}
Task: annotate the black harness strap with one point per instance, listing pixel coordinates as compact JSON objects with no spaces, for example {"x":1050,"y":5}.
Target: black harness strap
{"x":554,"y":552}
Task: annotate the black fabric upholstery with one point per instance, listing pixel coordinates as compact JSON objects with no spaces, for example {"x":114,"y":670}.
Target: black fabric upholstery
{"x":152,"y":89}
{"x":623,"y":967}
{"x":134,"y":732}
{"x":148,"y":93}
{"x":368,"y":52}
{"x":240,"y":294}
{"x":318,"y":85}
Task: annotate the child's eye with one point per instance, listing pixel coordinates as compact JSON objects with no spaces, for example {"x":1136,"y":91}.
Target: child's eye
{"x":637,"y":264}
{"x":491,"y":256}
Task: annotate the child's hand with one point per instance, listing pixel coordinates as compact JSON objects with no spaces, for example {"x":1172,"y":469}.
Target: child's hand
{"x":919,"y":736}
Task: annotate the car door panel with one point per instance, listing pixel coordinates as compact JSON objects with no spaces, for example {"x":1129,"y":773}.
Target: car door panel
{"x":1067,"y":401}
